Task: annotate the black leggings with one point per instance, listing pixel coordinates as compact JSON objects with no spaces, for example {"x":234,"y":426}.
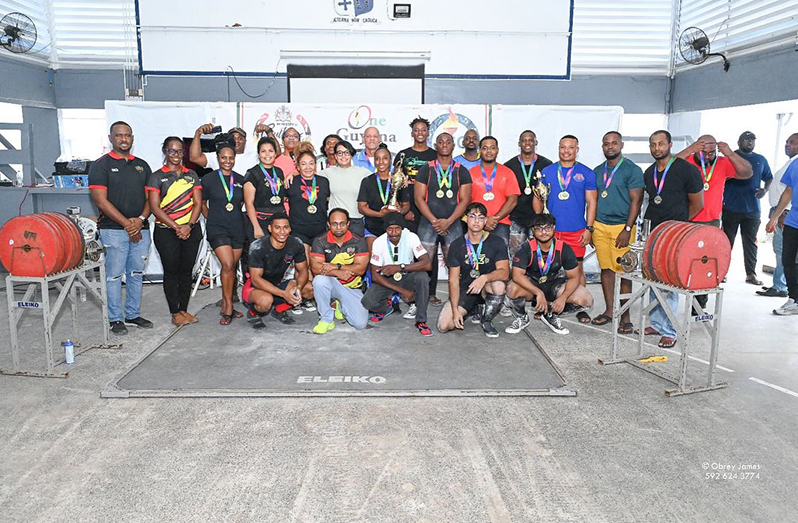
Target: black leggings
{"x":177,"y":258}
{"x":789,"y":261}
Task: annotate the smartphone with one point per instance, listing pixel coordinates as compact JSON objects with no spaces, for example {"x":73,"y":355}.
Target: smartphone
{"x":215,"y":130}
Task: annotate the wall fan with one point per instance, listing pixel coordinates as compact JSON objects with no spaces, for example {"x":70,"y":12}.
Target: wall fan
{"x":17,"y":32}
{"x":694,"y":47}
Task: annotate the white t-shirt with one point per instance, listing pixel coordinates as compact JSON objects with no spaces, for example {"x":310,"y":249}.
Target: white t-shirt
{"x":344,"y":187}
{"x":776,"y":187}
{"x":244,"y":161}
{"x":409,"y":249}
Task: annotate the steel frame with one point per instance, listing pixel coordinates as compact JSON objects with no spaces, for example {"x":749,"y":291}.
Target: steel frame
{"x":68,"y":283}
{"x":710,"y":321}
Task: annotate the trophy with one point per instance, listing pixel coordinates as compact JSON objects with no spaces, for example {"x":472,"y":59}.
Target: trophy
{"x":542,"y":192}
{"x":398,"y":182}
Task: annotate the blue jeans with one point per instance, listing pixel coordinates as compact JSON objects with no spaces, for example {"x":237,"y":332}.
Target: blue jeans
{"x":779,"y":280}
{"x":326,"y":288}
{"x":124,"y":258}
{"x":659,"y":320}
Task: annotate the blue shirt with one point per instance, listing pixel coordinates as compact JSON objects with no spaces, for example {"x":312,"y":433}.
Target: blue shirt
{"x":740,"y":195}
{"x":570,"y":213}
{"x":790,"y":179}
{"x":468,"y":164}
{"x":361,"y":159}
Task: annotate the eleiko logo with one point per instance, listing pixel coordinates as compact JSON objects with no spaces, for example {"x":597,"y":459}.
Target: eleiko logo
{"x":375,"y":380}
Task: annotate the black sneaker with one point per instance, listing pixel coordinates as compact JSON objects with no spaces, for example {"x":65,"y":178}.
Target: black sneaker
{"x":118,"y":328}
{"x":489,"y":330}
{"x":139,"y":322}
{"x":553,"y":322}
{"x":255,"y":320}
{"x":283,"y":317}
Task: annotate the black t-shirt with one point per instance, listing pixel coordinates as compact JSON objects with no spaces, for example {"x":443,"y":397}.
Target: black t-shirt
{"x":493,"y":250}
{"x":370,"y":193}
{"x":275,"y":263}
{"x":125,"y":181}
{"x":523,"y":211}
{"x":263,"y":190}
{"x":220,"y":220}
{"x":413,"y":161}
{"x":564,"y":259}
{"x":428,"y":175}
{"x":683,"y":178}
{"x":298,"y":201}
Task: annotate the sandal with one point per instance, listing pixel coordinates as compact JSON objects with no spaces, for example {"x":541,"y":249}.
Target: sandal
{"x":234,"y":314}
{"x":583,"y":317}
{"x":626,"y":327}
{"x":601,"y":319}
{"x":666,"y":343}
{"x":651,"y":331}
{"x":226,"y":319}
{"x":435,"y":301}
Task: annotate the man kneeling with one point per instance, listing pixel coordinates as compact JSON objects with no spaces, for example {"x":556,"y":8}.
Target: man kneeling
{"x":478,"y":268}
{"x":270,"y":258}
{"x":538,"y":269}
{"x":339,"y":259}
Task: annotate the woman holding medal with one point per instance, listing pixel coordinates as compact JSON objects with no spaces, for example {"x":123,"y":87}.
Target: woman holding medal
{"x":222,"y":196}
{"x":375,"y":193}
{"x":264,"y":190}
{"x":307,"y":198}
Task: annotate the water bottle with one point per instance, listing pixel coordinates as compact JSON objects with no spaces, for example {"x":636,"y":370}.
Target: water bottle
{"x":69,"y":352}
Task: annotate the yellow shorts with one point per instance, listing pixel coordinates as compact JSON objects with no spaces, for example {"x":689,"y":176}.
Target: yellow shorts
{"x":604,"y":237}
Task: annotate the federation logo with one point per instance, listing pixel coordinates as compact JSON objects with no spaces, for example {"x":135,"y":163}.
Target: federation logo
{"x":359,"y":117}
{"x":353,"y":7}
{"x":453,"y":123}
{"x":282,"y":119}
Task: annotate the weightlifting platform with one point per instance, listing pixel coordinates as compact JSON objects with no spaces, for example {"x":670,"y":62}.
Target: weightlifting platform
{"x":390,"y":359}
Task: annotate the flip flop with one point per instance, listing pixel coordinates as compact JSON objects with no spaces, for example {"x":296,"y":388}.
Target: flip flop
{"x":625,"y":328}
{"x":601,"y":319}
{"x":234,"y":314}
{"x":666,"y":343}
{"x":583,"y":317}
{"x":651,"y":331}
{"x":226,"y":319}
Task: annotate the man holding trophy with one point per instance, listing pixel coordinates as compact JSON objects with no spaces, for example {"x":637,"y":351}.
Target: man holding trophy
{"x":381,"y":193}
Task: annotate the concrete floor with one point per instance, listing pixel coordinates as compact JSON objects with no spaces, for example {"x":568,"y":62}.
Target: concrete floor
{"x":618,"y":452}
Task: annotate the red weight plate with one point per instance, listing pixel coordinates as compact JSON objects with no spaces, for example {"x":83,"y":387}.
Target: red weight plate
{"x":657,"y":256}
{"x":75,"y":239}
{"x":668,"y":257}
{"x":29,"y":246}
{"x":645,"y":262}
{"x":703,"y":258}
{"x":64,"y":245}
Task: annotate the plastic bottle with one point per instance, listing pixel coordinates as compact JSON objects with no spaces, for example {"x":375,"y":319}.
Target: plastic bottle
{"x":69,"y":352}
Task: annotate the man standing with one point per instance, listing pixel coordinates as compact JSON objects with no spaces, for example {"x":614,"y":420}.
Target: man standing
{"x":741,"y":203}
{"x":339,"y":260}
{"x":789,"y":256}
{"x":545,"y":272}
{"x":270,"y":258}
{"x":117,"y":185}
{"x":365,"y":157}
{"x":572,"y":202}
{"x":470,"y":157}
{"x":779,"y":287}
{"x":527,"y":167}
{"x":620,"y":184}
{"x":495,"y":187}
{"x":675,"y":192}
{"x":345,"y":180}
{"x":478,"y":270}
{"x":399,"y":264}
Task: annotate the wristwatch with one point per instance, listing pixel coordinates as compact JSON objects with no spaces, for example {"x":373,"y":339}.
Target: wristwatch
{"x":402,"y":267}
{"x":590,"y":228}
{"x":143,"y":219}
{"x":338,"y":265}
{"x":627,"y":229}
{"x":192,"y":224}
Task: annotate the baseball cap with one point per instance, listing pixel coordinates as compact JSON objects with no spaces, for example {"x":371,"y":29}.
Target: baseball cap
{"x":748,"y":135}
{"x":238,"y":130}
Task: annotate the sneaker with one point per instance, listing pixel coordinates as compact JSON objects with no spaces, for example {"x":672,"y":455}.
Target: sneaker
{"x":476,"y":315}
{"x":139,"y":322}
{"x":378,"y":317}
{"x":773,"y":292}
{"x":424,"y":329}
{"x":506,"y":311}
{"x":255,"y":320}
{"x":118,"y":328}
{"x":308,"y":305}
{"x":338,"y":314}
{"x":411,"y":312}
{"x":789,"y":308}
{"x":489,"y":330}
{"x":296,"y":311}
{"x":323,"y":327}
{"x":283,"y":317}
{"x":518,"y":325}
{"x":554,"y":323}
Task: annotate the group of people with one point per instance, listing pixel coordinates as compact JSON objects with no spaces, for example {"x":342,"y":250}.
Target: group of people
{"x":329,"y":231}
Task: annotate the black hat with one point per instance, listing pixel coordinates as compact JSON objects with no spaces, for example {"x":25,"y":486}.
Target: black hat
{"x":393,"y":218}
{"x":748,"y":135}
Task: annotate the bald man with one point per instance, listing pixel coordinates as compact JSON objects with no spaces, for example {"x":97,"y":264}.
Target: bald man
{"x":365,"y":157}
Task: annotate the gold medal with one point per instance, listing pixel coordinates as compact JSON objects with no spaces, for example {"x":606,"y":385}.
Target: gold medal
{"x":563,"y":196}
{"x":528,"y":190}
{"x":474,"y":273}
{"x":397,"y":276}
{"x":229,"y":207}
{"x":543,"y":279}
{"x":658,"y":199}
{"x":312,"y":209}
{"x":488,"y":196}
{"x":449,"y":193}
{"x":706,"y":186}
{"x":275,"y":200}
{"x":604,"y":194}
{"x":439,"y":194}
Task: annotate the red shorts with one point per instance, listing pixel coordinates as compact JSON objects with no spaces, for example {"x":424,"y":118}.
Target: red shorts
{"x":571,"y":239}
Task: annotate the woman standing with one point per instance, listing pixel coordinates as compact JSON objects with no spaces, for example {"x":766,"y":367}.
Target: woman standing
{"x":223,"y":194}
{"x":374,"y":195}
{"x":307,"y":198}
{"x":176,"y":201}
{"x":327,"y":156}
{"x":345,"y":181}
{"x":287,"y":160}
{"x":264,"y":190}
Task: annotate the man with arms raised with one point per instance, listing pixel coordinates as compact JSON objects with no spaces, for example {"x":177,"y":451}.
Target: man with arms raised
{"x":478,"y":270}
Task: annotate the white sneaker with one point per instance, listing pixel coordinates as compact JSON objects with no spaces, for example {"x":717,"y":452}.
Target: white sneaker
{"x":789,"y":308}
{"x":518,"y":325}
{"x":553,"y":322}
{"x":505,"y":311}
{"x":411,"y":312}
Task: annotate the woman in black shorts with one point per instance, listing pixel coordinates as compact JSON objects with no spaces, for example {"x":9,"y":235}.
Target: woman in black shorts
{"x":307,"y":198}
{"x":264,"y":190}
{"x":222,"y":192}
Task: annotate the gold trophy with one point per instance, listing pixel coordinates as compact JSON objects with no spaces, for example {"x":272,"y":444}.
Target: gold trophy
{"x":542,"y":192}
{"x":398,"y":182}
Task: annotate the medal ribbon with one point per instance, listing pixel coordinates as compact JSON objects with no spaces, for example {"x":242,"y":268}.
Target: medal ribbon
{"x":488,"y":187}
{"x":274,"y":183}
{"x":658,"y":185}
{"x":528,"y":175}
{"x":474,"y":254}
{"x":311,"y":192}
{"x":608,"y":181}
{"x":393,"y":249}
{"x":383,"y":195}
{"x":564,"y":183}
{"x":228,"y":191}
{"x":444,"y":182}
{"x":544,"y":267}
{"x":707,"y":177}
